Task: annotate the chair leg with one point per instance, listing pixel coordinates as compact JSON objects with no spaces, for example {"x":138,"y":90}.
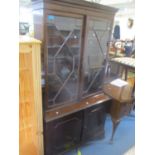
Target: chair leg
{"x":115,"y":125}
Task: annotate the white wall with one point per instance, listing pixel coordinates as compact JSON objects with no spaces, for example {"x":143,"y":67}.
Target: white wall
{"x":122,"y":18}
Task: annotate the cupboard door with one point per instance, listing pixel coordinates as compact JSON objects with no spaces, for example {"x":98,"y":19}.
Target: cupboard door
{"x":63,"y":56}
{"x":63,"y":134}
{"x":98,"y":34}
{"x":94,"y":119}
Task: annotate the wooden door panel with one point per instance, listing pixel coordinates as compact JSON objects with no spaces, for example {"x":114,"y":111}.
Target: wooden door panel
{"x":63,"y":134}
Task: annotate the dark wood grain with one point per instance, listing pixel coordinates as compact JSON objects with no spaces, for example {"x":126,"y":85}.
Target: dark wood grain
{"x":68,"y":8}
{"x":74,"y":8}
{"x":86,"y":103}
{"x":83,"y":46}
{"x":80,"y":3}
{"x":79,"y":117}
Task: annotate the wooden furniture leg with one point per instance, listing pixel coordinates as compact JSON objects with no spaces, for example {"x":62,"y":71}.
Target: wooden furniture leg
{"x":126,"y":73}
{"x":121,"y":103}
{"x":115,"y":124}
{"x":118,"y":110}
{"x":114,"y":112}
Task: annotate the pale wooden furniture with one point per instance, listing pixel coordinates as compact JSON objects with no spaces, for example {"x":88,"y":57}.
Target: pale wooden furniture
{"x":30,"y":98}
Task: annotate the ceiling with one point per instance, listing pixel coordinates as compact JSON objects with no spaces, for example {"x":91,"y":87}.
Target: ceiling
{"x":124,"y":6}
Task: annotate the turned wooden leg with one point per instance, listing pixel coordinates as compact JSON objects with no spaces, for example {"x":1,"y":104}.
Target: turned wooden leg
{"x":115,"y":125}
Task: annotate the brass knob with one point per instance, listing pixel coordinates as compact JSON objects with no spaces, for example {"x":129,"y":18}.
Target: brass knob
{"x":87,"y":103}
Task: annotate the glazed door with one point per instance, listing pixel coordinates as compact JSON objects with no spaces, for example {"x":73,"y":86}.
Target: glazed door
{"x":63,"y":43}
{"x":98,"y":33}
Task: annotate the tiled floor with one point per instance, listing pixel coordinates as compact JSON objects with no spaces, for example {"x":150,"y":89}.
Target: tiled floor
{"x":124,"y":140}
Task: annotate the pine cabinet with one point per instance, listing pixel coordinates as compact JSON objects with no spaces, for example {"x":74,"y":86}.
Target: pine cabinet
{"x":30,"y":98}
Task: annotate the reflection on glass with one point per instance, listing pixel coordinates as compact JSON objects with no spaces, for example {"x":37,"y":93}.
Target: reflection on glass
{"x":63,"y":58}
{"x":95,"y":55}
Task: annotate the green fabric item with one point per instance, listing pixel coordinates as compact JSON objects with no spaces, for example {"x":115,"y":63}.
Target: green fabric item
{"x":79,"y":152}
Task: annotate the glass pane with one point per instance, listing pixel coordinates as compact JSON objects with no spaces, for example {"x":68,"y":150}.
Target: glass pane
{"x":63,"y":58}
{"x":95,"y":55}
{"x":54,"y":84}
{"x":64,"y":63}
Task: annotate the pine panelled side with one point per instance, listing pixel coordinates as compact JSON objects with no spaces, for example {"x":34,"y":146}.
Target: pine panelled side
{"x":30,"y":98}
